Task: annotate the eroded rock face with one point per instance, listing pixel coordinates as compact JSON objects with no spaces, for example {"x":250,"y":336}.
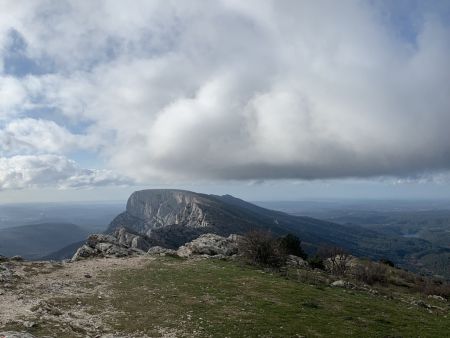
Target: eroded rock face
{"x":211,"y":245}
{"x":166,"y":207}
{"x":153,"y":209}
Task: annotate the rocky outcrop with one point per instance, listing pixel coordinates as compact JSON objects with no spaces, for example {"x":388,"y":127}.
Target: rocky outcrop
{"x":122,"y":243}
{"x":211,"y":245}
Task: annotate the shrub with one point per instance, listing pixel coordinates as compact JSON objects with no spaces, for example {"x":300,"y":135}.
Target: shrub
{"x":371,"y":273}
{"x":388,"y":262}
{"x":431,"y":286}
{"x":262,"y":249}
{"x":291,"y":245}
{"x":316,"y":262}
{"x":337,"y":259}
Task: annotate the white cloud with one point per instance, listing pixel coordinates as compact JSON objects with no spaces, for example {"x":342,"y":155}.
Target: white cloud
{"x":30,"y":171}
{"x":13,"y":96}
{"x":233,"y":90}
{"x":27,"y":135}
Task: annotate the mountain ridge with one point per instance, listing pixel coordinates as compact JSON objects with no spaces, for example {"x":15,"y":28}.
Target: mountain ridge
{"x":173,"y":217}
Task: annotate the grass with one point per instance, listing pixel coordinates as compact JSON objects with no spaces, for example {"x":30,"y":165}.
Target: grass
{"x":213,"y":298}
{"x":210,"y":298}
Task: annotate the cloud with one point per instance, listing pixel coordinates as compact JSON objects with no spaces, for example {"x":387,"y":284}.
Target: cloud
{"x":31,"y":171}
{"x":33,"y":136}
{"x":232,"y":90}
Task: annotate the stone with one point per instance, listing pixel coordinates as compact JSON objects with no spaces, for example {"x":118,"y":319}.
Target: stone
{"x":297,"y":262}
{"x":13,"y":334}
{"x":120,"y":244}
{"x":83,"y":252}
{"x":436,"y":297}
{"x":16,"y":258}
{"x":95,"y":239}
{"x":159,"y":250}
{"x":338,"y":283}
{"x":211,"y":245}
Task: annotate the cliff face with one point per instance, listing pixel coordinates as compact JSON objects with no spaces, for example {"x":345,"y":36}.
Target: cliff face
{"x":170,"y":217}
{"x":159,"y":208}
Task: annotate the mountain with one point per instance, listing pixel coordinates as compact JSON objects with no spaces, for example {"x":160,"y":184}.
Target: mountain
{"x":66,"y":252}
{"x":36,"y":240}
{"x":173,"y":217}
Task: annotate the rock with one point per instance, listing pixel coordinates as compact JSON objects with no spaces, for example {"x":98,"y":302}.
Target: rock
{"x":95,"y":239}
{"x":295,"y":261}
{"x":29,"y":325}
{"x":12,"y":334}
{"x":170,"y":218}
{"x":83,"y":253}
{"x":421,"y":303}
{"x":342,"y":284}
{"x":16,"y":258}
{"x":211,"y":245}
{"x":3,"y":258}
{"x":7,"y":274}
{"x":159,"y":250}
{"x":120,"y":244}
{"x":436,"y":297}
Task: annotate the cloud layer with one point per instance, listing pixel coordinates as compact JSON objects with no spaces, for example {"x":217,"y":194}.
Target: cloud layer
{"x":164,"y":90}
{"x":27,"y":171}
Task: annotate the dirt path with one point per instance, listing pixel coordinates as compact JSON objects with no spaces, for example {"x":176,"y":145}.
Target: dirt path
{"x":35,"y":294}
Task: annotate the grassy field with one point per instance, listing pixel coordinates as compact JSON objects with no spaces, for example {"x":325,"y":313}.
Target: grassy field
{"x":170,"y":297}
{"x":223,"y":299}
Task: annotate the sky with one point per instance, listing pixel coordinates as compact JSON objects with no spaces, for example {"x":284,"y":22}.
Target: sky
{"x":265,"y":100}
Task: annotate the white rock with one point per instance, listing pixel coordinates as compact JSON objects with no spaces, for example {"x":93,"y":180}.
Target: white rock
{"x":209,"y":244}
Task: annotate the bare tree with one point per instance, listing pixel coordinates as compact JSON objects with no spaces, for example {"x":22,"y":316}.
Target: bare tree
{"x":261,"y":248}
{"x":337,"y":259}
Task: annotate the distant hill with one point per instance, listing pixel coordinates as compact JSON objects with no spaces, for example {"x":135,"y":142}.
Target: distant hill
{"x":173,"y":217}
{"x":37,"y":240}
{"x":66,"y":252}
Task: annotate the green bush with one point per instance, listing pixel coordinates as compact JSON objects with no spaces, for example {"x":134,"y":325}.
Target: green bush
{"x":387,"y":262}
{"x":316,"y":262}
{"x":291,"y":244}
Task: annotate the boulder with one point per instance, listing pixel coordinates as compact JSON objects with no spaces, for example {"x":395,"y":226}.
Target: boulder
{"x":83,"y":252}
{"x":436,"y":297}
{"x":339,"y":283}
{"x":121,"y":244}
{"x":16,"y":258}
{"x":296,"y":262}
{"x":95,"y":239}
{"x":211,"y":245}
{"x":159,"y":250}
{"x":127,"y":239}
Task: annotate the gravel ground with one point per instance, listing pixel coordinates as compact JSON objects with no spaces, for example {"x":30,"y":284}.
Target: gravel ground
{"x":28,"y":291}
